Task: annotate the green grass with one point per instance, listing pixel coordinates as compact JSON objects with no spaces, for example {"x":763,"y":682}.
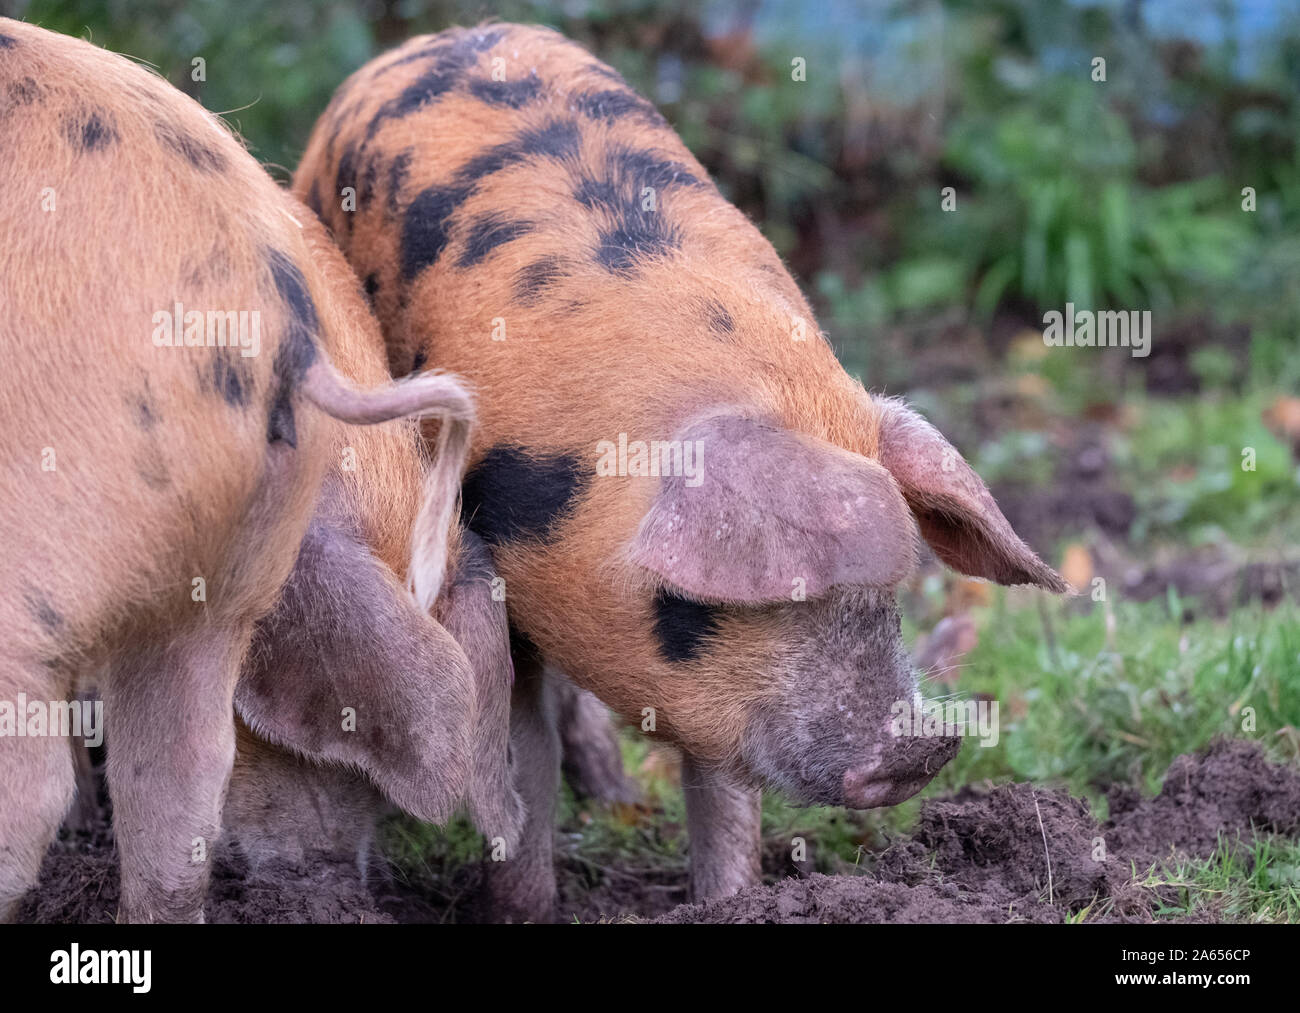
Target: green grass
{"x":1259,"y":883}
{"x":1114,"y":694}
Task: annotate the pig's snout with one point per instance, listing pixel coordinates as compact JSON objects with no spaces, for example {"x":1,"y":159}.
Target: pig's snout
{"x":896,"y":777}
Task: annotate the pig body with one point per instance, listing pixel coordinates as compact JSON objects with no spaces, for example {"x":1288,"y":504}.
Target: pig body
{"x":155,"y":491}
{"x":697,"y":514}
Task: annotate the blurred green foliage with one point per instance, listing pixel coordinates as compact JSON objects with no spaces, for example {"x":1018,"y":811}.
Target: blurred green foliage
{"x":1124,"y":192}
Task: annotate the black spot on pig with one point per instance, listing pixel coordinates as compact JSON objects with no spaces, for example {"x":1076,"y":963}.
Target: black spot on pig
{"x":199,"y":155}
{"x":432,"y":84}
{"x":450,"y":62}
{"x":397,"y":173}
{"x":531,"y":282}
{"x":144,"y":414}
{"x":634,"y":240}
{"x":720,"y":322}
{"x":617,"y":104}
{"x":593,"y":193}
{"x":347,"y":171}
{"x":280,"y":425}
{"x":420,"y":359}
{"x":297,"y":350}
{"x":558,"y":139}
{"x":7,"y":41}
{"x":424,"y":229}
{"x":486,"y":234}
{"x":24,"y":92}
{"x":371,"y":287}
{"x":43,"y":610}
{"x":465,"y":42}
{"x":637,"y":169}
{"x":635,"y":226}
{"x":229,"y":377}
{"x":303,"y":321}
{"x":512,"y":94}
{"x":512,"y":494}
{"x":366,"y":184}
{"x":487,"y":162}
{"x":682,"y":627}
{"x":91,"y":132}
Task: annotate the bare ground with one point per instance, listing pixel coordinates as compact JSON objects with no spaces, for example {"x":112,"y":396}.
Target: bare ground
{"x":978,"y":856}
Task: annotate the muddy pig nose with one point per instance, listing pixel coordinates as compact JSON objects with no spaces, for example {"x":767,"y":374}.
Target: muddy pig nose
{"x":901,"y":775}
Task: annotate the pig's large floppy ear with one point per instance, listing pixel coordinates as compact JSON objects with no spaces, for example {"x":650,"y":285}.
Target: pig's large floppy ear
{"x":347,"y":669}
{"x":479,"y":623}
{"x":958,"y":517}
{"x":770,"y":508}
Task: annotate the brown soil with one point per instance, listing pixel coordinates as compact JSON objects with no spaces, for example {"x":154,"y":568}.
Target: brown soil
{"x":984,"y":856}
{"x":979,"y":856}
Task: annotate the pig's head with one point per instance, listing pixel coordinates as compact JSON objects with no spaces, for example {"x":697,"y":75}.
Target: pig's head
{"x":774,"y":571}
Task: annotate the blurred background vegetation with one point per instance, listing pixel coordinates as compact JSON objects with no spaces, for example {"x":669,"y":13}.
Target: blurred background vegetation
{"x":1124,"y":194}
{"x":1127,"y":193}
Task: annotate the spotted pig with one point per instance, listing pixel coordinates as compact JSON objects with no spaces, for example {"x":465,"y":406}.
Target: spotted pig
{"x":166,"y":466}
{"x":698,"y":515}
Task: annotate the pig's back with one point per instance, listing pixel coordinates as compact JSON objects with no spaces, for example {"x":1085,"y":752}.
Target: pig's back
{"x":128,"y":469}
{"x":550,"y":236}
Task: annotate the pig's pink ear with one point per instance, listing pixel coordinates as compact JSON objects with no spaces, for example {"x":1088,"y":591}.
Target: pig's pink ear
{"x":767,"y":512}
{"x":347,"y":669}
{"x":958,"y":517}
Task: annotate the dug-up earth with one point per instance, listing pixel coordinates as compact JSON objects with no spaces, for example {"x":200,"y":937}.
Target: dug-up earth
{"x":1019,"y":853}
{"x":1015,"y":853}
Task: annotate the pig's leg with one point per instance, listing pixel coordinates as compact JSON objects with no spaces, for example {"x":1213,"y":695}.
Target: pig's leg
{"x":723,"y":821}
{"x":36,"y":788}
{"x":522,"y":888}
{"x":171,"y":724}
{"x":593,"y":762}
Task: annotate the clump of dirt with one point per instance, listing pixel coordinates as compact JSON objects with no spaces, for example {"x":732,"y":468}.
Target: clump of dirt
{"x":79,"y":885}
{"x":1014,"y":847}
{"x":1227,"y":790}
{"x":319,"y":890}
{"x":1022,"y":853}
{"x":841,"y":899}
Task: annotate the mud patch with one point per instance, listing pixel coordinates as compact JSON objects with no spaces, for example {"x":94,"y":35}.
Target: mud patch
{"x":1014,"y":853}
{"x":1019,"y":853}
{"x":847,"y":899}
{"x":1228,"y":789}
{"x":81,"y":887}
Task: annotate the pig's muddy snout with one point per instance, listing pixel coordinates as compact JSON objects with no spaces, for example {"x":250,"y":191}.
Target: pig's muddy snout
{"x":906,"y":765}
